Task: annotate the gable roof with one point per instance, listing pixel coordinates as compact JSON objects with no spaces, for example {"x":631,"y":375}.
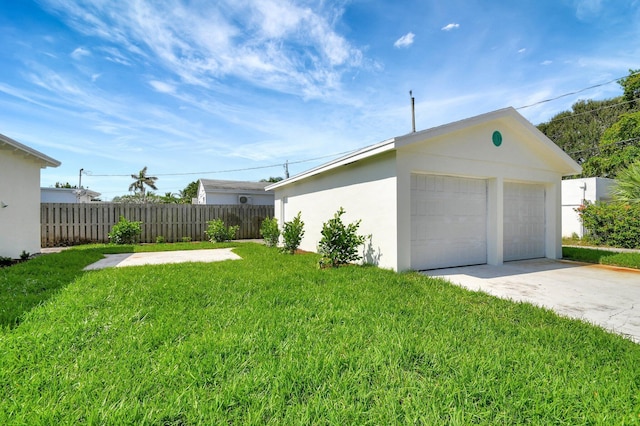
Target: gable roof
{"x":212,"y":185}
{"x":6,"y":143}
{"x":568,"y":165}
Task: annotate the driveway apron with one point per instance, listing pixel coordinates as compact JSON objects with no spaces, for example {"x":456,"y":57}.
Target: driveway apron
{"x":602,"y":295}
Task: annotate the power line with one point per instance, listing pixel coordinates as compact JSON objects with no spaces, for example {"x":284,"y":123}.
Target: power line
{"x":578,"y":91}
{"x":235,"y":170}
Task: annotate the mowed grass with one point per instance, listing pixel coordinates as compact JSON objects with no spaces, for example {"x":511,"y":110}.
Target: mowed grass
{"x":603,"y":257}
{"x":272,"y":339}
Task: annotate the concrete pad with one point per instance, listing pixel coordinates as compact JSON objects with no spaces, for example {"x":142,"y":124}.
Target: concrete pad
{"x":162,"y":257}
{"x":602,"y":295}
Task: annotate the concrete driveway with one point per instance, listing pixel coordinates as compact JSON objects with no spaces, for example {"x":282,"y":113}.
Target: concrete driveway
{"x":606,"y":296}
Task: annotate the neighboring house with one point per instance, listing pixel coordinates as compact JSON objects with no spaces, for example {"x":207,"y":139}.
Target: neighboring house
{"x":67,"y":195}
{"x":482,"y":190}
{"x":20,"y":197}
{"x":231,"y":192}
{"x":574,"y":193}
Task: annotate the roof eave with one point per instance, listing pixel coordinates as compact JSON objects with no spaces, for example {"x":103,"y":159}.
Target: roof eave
{"x":360,"y":154}
{"x":17,"y":146}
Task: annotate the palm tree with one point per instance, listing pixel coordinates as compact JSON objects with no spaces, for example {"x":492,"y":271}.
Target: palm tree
{"x":140,"y":180}
{"x":627,"y":187}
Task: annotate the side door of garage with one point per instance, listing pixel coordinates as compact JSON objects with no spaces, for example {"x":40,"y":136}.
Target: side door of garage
{"x":448,"y":221}
{"x":524,"y":221}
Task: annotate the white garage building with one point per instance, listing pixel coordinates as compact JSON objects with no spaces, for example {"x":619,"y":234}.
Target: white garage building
{"x":482,"y":190}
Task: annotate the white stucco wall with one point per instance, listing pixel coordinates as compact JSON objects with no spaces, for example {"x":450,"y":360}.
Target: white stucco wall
{"x":232,"y":198}
{"x":63,"y":195}
{"x":224,"y":197}
{"x":20,"y":190}
{"x":574,"y":192}
{"x":366,"y":190}
{"x":378,"y":188}
{"x":471,"y":153}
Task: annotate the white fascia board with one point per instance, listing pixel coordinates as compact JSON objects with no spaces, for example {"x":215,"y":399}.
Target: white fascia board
{"x":366,"y":152}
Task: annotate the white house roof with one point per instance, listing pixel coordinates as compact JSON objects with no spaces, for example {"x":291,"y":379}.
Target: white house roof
{"x":74,"y":191}
{"x":6,"y":143}
{"x":567,"y":165}
{"x":211,"y":185}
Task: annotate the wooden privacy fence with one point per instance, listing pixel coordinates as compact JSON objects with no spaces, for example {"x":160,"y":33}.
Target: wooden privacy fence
{"x":72,"y":223}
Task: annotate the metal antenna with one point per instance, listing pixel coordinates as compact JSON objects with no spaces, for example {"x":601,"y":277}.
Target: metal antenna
{"x":413,"y":111}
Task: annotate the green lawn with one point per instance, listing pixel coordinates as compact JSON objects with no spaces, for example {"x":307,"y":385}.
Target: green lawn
{"x":272,"y":339}
{"x":604,"y":257}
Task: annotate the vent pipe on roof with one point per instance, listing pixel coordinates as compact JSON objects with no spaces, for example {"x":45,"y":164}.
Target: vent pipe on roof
{"x":413,"y":111}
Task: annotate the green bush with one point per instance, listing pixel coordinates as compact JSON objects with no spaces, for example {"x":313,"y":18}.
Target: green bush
{"x":270,"y":232}
{"x":339,"y":243}
{"x":160,"y":239}
{"x":292,"y":233}
{"x":125,"y":232}
{"x":218,"y":232}
{"x":612,"y":224}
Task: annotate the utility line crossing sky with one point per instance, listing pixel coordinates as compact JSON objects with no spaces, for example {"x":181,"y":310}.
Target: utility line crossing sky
{"x":111,"y":86}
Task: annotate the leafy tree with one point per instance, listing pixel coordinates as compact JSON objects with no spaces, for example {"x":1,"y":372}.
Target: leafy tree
{"x":137,"y":198}
{"x":578,"y":132}
{"x":272,"y":179}
{"x":189,"y":192}
{"x":141,"y":180}
{"x":627,"y":187}
{"x":65,"y":185}
{"x":169,"y":198}
{"x":631,"y":87}
{"x":618,"y":148}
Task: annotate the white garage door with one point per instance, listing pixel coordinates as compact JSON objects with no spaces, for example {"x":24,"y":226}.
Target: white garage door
{"x":524,"y":221}
{"x":448,"y":221}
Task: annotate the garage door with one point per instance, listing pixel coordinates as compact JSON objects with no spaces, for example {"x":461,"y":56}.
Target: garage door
{"x":448,"y":221}
{"x":524,"y":221}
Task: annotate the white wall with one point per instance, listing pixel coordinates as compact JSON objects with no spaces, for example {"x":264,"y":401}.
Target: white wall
{"x":62,"y":195}
{"x":20,"y":190}
{"x":470,"y":153}
{"x":265,"y":199}
{"x":574,"y":192}
{"x":367,"y":192}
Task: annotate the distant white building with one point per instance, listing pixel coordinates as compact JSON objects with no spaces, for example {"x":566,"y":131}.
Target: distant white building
{"x":231,"y":192}
{"x":67,"y":195}
{"x":574,"y":193}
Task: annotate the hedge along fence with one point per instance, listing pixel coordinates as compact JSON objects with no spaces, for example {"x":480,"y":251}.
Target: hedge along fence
{"x":64,"y":224}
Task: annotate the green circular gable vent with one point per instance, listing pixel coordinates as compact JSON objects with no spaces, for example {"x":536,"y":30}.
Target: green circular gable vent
{"x":497,"y":138}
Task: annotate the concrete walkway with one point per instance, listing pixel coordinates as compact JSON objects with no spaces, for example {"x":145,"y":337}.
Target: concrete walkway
{"x":602,"y":295}
{"x":162,"y":257}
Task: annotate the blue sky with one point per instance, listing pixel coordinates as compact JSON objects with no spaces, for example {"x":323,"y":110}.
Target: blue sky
{"x":224,"y":89}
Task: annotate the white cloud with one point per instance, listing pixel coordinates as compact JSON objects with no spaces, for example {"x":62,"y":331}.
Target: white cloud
{"x":162,"y":87}
{"x":405,"y":41}
{"x":282,"y":45}
{"x":547,"y":62}
{"x":522,"y":50}
{"x":450,"y":27}
{"x":80,"y":52}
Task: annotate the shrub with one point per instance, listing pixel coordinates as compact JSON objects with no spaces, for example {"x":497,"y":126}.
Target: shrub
{"x":25,"y":255}
{"x":6,"y":261}
{"x":186,"y":239}
{"x":218,"y":232}
{"x":125,"y":232}
{"x":160,"y":239}
{"x":292,"y":233}
{"x":612,"y":224}
{"x":270,"y":232}
{"x":339,"y":243}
